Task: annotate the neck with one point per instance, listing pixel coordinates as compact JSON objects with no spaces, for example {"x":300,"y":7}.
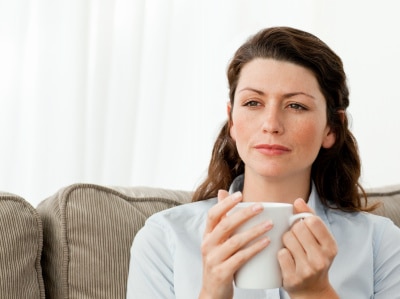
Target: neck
{"x":261,"y":189}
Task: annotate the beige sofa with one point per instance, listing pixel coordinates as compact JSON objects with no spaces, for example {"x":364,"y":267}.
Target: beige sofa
{"x":76,"y":243}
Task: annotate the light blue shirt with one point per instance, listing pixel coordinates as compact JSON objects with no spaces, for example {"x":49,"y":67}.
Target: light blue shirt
{"x":166,"y":258}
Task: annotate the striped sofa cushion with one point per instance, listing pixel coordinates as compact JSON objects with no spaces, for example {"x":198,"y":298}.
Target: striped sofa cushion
{"x":389,"y":197}
{"x":20,"y":249}
{"x":88,"y":232}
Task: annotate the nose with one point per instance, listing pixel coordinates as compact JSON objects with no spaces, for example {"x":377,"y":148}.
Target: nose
{"x":273,"y":121}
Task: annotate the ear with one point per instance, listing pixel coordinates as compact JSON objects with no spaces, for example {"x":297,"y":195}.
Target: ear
{"x":329,"y":139}
{"x":228,"y":109}
{"x":230,"y":122}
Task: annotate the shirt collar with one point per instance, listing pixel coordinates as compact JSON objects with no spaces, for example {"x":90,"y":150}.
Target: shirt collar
{"x":237,"y":184}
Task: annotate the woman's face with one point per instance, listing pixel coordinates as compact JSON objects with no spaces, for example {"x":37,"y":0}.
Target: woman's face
{"x":278,"y":119}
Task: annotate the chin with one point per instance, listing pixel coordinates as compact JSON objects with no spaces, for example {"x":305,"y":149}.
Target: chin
{"x":271,"y":173}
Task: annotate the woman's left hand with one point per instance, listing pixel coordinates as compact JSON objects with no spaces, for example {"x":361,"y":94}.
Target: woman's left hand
{"x":309,"y":250}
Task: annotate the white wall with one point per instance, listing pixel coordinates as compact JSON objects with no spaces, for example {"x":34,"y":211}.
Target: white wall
{"x":69,"y":116}
{"x":365,"y":36}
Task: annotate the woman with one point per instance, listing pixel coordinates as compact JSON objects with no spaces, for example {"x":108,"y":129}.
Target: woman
{"x":286,"y":140}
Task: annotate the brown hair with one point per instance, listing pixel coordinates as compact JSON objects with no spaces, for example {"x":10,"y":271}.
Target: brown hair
{"x":336,"y":170}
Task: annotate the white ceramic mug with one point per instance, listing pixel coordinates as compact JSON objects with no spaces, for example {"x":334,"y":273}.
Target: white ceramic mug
{"x":263,"y":271}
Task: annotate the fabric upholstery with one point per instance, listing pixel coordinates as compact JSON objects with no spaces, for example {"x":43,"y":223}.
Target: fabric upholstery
{"x":20,"y":250}
{"x":389,"y":197}
{"x":88,"y":232}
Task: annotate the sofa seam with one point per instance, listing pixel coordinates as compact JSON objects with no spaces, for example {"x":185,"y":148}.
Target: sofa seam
{"x":382,"y":194}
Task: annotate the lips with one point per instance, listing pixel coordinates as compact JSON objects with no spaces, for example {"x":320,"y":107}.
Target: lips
{"x":272,"y":149}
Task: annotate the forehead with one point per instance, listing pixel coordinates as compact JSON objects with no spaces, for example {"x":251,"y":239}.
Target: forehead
{"x":270,"y":73}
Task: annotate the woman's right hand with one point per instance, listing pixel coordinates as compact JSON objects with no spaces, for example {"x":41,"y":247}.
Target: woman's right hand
{"x":222,"y":252}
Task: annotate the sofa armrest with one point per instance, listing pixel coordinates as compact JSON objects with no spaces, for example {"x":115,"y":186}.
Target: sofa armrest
{"x":21,"y":247}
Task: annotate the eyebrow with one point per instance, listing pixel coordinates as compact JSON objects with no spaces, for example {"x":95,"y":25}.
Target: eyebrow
{"x":292,"y":94}
{"x":287,"y":95}
{"x":252,"y":89}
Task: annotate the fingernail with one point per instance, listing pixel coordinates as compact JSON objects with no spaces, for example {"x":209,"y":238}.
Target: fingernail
{"x":236,"y":196}
{"x":268,"y":224}
{"x":258,"y":207}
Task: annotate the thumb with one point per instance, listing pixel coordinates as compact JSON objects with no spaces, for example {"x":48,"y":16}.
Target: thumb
{"x":222,"y":194}
{"x":300,"y":206}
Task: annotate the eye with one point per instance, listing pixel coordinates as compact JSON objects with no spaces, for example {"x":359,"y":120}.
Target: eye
{"x":252,"y":103}
{"x":297,"y":106}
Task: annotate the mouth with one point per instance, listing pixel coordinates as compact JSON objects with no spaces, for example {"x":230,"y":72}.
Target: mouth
{"x":272,"y":149}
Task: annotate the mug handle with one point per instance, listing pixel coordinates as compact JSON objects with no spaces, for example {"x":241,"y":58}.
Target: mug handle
{"x":299,"y":216}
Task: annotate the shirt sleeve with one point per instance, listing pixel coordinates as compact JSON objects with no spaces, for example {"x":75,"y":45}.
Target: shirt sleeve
{"x":387,"y":263}
{"x":151,"y":267}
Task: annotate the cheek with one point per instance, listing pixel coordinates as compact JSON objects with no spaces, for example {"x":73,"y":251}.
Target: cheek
{"x":237,"y":131}
{"x":239,"y":125}
{"x":311,"y":133}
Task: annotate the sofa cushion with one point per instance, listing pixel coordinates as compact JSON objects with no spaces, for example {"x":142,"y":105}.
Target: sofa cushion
{"x":20,"y":250}
{"x":88,"y":232}
{"x":389,"y":197}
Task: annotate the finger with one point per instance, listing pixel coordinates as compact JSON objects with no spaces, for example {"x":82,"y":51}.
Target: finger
{"x":318,"y":252}
{"x":227,"y":226}
{"x":314,"y":224}
{"x":236,"y":260}
{"x":300,"y":206}
{"x":295,"y":248}
{"x":286,"y":263}
{"x":241,"y":246}
{"x":321,"y":234}
{"x":306,"y":239}
{"x":218,"y":211}
{"x":222,"y":194}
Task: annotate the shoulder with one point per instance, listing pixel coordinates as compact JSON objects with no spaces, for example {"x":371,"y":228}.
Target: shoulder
{"x":386,"y":235}
{"x":359,"y":218}
{"x":175,"y":225}
{"x":363,"y":223}
{"x":370,"y":236}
